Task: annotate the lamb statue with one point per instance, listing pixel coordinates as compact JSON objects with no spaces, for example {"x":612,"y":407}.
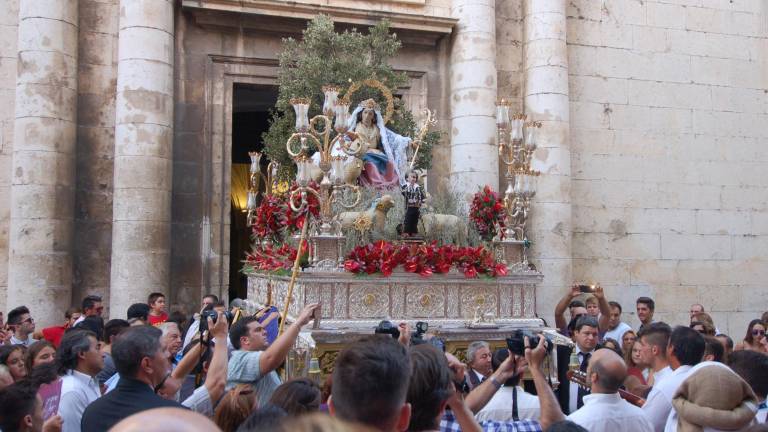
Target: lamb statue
{"x":373,"y":218}
{"x":434,"y":225}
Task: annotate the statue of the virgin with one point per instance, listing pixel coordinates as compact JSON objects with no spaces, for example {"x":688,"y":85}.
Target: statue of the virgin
{"x":384,"y":157}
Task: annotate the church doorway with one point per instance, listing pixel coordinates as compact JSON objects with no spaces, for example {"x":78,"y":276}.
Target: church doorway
{"x":250,"y":119}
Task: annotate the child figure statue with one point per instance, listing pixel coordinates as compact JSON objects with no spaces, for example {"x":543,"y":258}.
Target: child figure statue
{"x":414,"y":198}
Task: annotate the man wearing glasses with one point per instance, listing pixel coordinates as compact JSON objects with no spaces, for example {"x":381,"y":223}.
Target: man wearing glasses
{"x":23,"y":326}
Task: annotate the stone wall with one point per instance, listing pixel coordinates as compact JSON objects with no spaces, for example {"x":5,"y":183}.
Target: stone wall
{"x":8,"y":37}
{"x":669,"y":115}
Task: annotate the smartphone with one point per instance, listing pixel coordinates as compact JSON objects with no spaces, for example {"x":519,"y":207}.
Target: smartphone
{"x":586,"y":288}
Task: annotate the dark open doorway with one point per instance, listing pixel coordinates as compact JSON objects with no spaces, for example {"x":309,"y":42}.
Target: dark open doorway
{"x":250,"y":118}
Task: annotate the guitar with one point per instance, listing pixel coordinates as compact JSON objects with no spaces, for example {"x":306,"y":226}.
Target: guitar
{"x":580,"y":378}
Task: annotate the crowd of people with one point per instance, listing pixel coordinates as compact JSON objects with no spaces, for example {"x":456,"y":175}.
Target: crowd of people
{"x":217,"y":370}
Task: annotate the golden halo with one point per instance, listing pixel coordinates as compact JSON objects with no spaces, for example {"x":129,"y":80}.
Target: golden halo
{"x":379,"y":86}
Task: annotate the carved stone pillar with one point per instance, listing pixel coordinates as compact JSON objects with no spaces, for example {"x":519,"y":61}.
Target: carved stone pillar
{"x":143,"y":153}
{"x":42,"y":184}
{"x":474,"y":155}
{"x":546,"y":100}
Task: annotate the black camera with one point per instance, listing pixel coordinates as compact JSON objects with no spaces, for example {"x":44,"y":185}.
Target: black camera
{"x":417,"y":337}
{"x":516,"y":341}
{"x":386,"y":327}
{"x":214,"y":316}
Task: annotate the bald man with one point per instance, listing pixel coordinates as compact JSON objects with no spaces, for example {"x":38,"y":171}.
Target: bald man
{"x":604,"y":410}
{"x":166,"y":420}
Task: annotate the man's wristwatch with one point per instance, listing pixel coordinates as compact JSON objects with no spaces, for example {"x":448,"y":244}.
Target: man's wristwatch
{"x":495,"y":382}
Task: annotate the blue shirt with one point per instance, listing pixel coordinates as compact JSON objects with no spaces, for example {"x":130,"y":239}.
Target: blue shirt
{"x":244,"y":368}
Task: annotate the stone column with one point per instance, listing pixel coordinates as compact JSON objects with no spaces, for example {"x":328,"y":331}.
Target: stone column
{"x":141,"y":212}
{"x":546,"y":99}
{"x":42,"y":183}
{"x":474,"y":156}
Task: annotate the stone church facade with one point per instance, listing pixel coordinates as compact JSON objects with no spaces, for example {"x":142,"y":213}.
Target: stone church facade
{"x":116,"y":138}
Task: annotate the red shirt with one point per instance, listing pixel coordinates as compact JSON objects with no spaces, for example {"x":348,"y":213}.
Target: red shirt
{"x":157,"y":320}
{"x":54,"y":334}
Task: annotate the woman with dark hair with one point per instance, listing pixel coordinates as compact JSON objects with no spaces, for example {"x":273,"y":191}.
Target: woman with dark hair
{"x":754,"y":337}
{"x":297,"y":396}
{"x":40,"y":352}
{"x":613,"y":345}
{"x":12,"y":356}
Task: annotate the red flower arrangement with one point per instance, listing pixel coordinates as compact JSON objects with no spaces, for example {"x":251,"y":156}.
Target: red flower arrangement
{"x":487,"y":213}
{"x":271,"y":259}
{"x":380,"y":257}
{"x":274,"y":259}
{"x":294,"y":220}
{"x":383,"y":257}
{"x":274,"y":216}
{"x":271,"y":218}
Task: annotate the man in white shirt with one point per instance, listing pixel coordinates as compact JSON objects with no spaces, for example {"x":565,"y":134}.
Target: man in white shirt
{"x":23,"y":326}
{"x":604,"y":410}
{"x":685,"y":350}
{"x":654,"y":339}
{"x":81,"y":360}
{"x":616,"y":328}
{"x":510,"y":402}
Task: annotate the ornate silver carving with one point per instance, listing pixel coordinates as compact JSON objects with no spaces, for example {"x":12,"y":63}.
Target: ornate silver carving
{"x":481,"y":300}
{"x":517,"y":301}
{"x":529,"y":298}
{"x":368,"y":302}
{"x":340,"y":301}
{"x":425,"y":301}
{"x":397,"y":304}
{"x":505,"y":300}
{"x":402,"y":296}
{"x":326,"y":298}
{"x":452,"y":301}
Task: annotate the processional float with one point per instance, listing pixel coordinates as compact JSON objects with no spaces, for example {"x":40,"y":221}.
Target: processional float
{"x":458,"y":309}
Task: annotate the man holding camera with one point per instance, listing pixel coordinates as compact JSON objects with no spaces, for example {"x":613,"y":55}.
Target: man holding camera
{"x":254,"y":361}
{"x":585,"y":334}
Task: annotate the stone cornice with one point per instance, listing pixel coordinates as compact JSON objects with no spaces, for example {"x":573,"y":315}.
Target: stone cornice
{"x":399,"y":20}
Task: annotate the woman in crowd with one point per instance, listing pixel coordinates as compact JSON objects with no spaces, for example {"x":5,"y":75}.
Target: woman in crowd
{"x":40,"y":352}
{"x":235,"y":406}
{"x":703,"y":327}
{"x":637,"y":372}
{"x":12,"y":356}
{"x":753,"y":341}
{"x":613,"y":345}
{"x":628,"y":340}
{"x":297,"y":396}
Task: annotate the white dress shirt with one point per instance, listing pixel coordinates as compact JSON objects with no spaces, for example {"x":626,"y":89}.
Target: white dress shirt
{"x":78,"y":390}
{"x":499,"y":408}
{"x":26,"y":342}
{"x":659,"y":402}
{"x":573,"y":388}
{"x":617,"y":334}
{"x":660,"y":375}
{"x":608,"y":412}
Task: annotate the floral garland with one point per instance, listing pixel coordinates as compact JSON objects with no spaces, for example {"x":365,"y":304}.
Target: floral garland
{"x":487,"y":213}
{"x":383,"y":257}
